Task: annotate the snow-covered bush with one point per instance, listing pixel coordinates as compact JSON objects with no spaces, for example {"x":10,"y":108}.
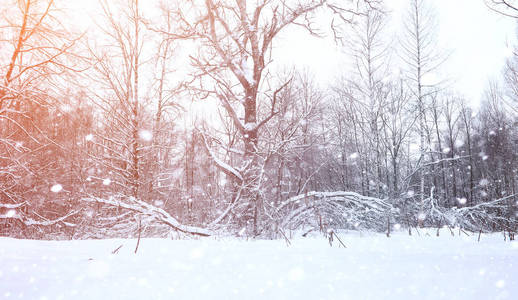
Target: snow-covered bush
{"x":335,"y":210}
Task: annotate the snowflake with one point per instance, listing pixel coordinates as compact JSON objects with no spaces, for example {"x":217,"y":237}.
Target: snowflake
{"x":354,"y":155}
{"x":56,"y":188}
{"x":462,"y":201}
{"x":484,"y":182}
{"x":89,"y":137}
{"x":500,"y":284}
{"x":107,"y":181}
{"x":459,"y":143}
{"x":145,"y":135}
{"x":89,"y":213}
{"x":11,"y":213}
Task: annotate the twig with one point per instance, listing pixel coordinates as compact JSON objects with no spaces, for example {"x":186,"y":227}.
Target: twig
{"x":462,"y":230}
{"x":338,"y":238}
{"x":117,"y":250}
{"x":306,"y":233}
{"x":285,"y":237}
{"x":139,"y":231}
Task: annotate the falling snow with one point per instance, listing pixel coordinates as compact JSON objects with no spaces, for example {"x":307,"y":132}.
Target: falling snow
{"x":459,"y":143}
{"x":56,"y":188}
{"x":145,"y":135}
{"x":484,"y":182}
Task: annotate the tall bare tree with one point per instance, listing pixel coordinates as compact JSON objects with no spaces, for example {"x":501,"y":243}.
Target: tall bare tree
{"x":36,"y":56}
{"x":422,"y":59}
{"x":236,"y":44}
{"x":370,"y":52}
{"x":117,"y":67}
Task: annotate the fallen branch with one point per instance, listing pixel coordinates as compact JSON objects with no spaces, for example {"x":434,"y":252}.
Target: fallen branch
{"x":150,"y":210}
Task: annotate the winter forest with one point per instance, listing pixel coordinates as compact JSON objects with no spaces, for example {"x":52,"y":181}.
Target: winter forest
{"x":128,"y":119}
{"x":98,"y":138}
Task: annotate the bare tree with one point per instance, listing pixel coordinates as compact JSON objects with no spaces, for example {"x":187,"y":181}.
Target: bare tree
{"x":398,"y":124}
{"x":370,"y":52}
{"x":466,"y":115}
{"x":421,"y":59}
{"x":117,"y":72}
{"x":236,"y":51}
{"x":131,"y":148}
{"x":511,"y":82}
{"x":37,"y":55}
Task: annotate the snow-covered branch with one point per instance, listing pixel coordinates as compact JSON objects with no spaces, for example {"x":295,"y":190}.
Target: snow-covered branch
{"x":12,"y":206}
{"x":223,"y":166}
{"x":144,"y":208}
{"x":29,"y":221}
{"x":334,"y":207}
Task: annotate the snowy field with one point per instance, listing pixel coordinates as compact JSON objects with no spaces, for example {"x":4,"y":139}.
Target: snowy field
{"x":372,"y":267}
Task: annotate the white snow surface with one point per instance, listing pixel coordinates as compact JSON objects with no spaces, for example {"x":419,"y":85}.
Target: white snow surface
{"x":371,"y":267}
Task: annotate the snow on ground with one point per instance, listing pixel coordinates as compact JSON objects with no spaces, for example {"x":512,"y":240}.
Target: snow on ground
{"x":372,"y":267}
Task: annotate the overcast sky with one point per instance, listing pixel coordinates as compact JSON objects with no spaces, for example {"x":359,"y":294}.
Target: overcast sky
{"x":477,"y":38}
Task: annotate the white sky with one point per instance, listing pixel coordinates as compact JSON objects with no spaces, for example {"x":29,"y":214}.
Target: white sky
{"x":477,"y":38}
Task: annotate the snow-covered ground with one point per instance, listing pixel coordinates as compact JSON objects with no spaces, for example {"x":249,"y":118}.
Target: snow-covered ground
{"x":371,"y":267}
